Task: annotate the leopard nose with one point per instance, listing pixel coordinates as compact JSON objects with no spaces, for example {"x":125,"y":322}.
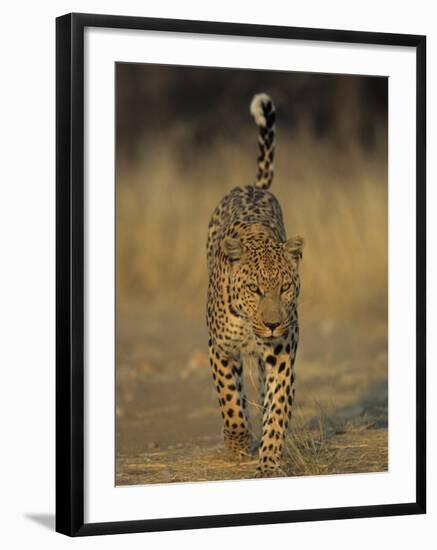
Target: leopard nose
{"x":272,"y":326}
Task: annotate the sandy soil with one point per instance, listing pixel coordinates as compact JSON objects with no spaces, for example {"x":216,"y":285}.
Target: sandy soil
{"x":168,"y":421}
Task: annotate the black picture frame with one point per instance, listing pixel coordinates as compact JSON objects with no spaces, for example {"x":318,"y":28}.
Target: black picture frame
{"x":70,"y":273}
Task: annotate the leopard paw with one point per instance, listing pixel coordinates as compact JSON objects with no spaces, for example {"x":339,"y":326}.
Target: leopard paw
{"x":268,"y":470}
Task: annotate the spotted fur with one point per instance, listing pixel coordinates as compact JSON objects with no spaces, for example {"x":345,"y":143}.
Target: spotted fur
{"x":252,"y":304}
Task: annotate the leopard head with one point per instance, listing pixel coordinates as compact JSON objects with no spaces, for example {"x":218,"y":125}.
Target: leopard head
{"x":264,"y":280}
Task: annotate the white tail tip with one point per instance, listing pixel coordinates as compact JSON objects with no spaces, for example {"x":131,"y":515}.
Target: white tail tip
{"x":257,"y":108}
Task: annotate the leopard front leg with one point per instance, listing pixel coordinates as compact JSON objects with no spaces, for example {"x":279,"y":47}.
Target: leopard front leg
{"x":227,"y":373}
{"x":278,"y":401}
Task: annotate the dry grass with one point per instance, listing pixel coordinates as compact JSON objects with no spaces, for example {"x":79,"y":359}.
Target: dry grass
{"x":308,"y":452}
{"x":336,"y":200}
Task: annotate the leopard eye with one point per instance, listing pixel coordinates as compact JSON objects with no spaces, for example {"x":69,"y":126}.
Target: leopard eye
{"x":253,"y":288}
{"x":285,"y":287}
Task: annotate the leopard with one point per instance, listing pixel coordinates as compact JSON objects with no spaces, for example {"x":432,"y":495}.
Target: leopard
{"x":252,"y":299}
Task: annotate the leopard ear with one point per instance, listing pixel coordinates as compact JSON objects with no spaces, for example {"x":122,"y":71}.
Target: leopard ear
{"x":293,"y":247}
{"x":232,"y":248}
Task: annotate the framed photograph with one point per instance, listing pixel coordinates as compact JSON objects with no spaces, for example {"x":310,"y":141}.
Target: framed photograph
{"x":240,"y":274}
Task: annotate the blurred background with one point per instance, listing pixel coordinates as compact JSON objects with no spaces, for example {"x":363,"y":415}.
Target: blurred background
{"x":184,"y":138}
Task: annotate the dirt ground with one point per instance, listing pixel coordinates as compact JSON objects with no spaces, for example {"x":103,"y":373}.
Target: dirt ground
{"x":168,"y":423}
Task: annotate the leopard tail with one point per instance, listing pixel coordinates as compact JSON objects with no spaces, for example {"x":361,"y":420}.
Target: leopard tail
{"x":262,"y":109}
